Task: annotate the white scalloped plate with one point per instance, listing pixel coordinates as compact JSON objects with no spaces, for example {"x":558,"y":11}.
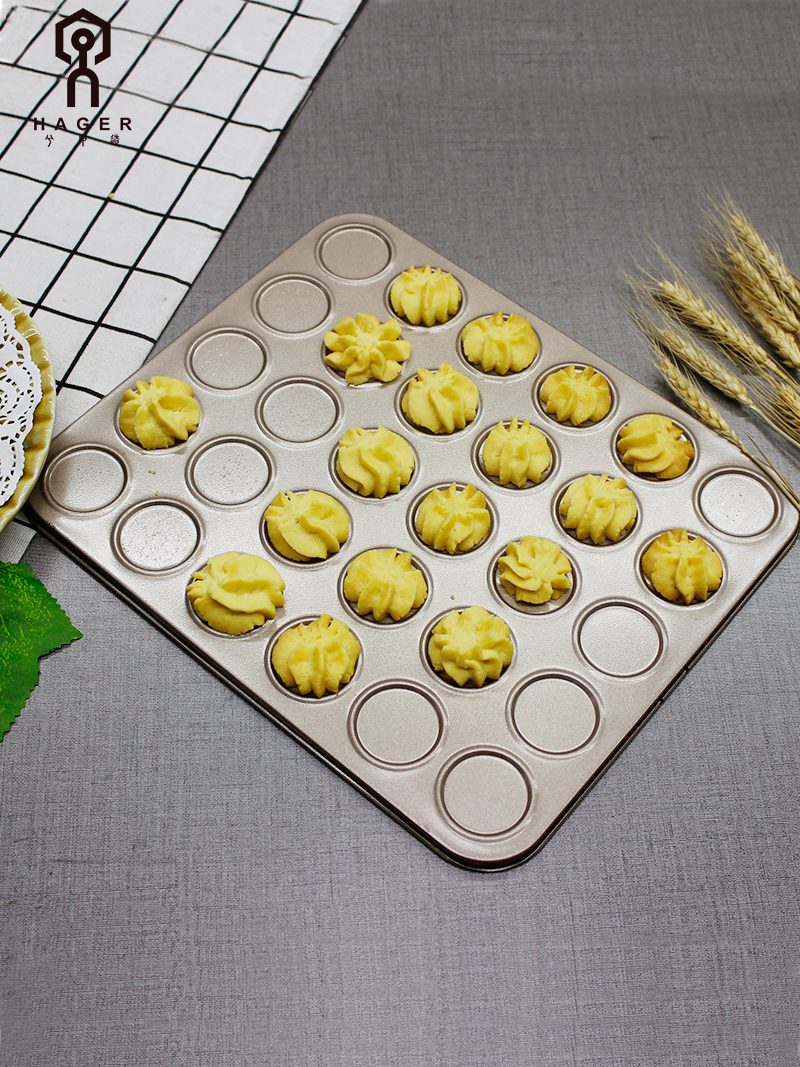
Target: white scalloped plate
{"x":37,"y":440}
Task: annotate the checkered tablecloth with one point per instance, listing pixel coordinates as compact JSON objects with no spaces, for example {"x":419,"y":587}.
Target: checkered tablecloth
{"x":103,"y":231}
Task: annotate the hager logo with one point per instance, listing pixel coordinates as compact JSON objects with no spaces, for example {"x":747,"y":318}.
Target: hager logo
{"x":83,"y":41}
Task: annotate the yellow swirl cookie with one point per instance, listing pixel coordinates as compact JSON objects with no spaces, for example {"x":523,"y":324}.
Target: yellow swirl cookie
{"x":385,"y":582}
{"x":516,"y":454}
{"x":422,"y":295}
{"x":682,"y":567}
{"x":597,"y":508}
{"x":651,"y":444}
{"x":500,"y":343}
{"x":159,"y":413}
{"x":316,"y":657}
{"x":236,"y":592}
{"x":364,"y":348}
{"x":306,"y":526}
{"x":535,"y":570}
{"x":441,"y":400}
{"x":470,"y":646}
{"x":577,"y":396}
{"x":374,"y":462}
{"x":454,"y":520}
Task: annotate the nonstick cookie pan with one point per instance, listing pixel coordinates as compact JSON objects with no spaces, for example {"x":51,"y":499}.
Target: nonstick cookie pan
{"x":481,"y":774}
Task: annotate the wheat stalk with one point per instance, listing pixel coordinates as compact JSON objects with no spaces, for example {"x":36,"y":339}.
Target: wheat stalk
{"x":700,"y":311}
{"x":686,"y":389}
{"x":770,"y":394}
{"x":700,"y":361}
{"x":718,"y":327}
{"x":747,"y":277}
{"x":727,"y":226}
{"x":755,"y":277}
{"x":667,"y":308}
{"x":780,"y":340}
{"x":704,"y":315}
{"x":687,"y":307}
{"x":773,"y":400}
{"x":779,"y":405}
{"x":664,"y":333}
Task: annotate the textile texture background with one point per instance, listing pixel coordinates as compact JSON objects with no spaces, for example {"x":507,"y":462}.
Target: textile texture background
{"x":183,"y":884}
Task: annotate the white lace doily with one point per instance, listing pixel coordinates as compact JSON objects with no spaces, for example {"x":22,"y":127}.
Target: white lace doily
{"x":20,"y":392}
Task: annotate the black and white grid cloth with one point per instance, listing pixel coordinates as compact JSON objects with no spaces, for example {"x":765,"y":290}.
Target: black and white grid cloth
{"x":102,"y":232}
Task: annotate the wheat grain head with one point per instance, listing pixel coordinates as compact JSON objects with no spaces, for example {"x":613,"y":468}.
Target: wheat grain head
{"x":746,"y":276}
{"x":662,"y":331}
{"x":780,"y":341}
{"x":727,"y":227}
{"x":686,"y":389}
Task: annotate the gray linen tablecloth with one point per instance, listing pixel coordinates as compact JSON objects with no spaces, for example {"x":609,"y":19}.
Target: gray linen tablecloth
{"x":183,"y":884}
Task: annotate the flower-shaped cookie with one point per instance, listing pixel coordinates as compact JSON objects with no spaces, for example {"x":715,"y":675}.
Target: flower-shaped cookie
{"x":364,"y":348}
{"x":470,"y":646}
{"x":454,"y":520}
{"x":236,"y":592}
{"x":159,"y":413}
{"x":516,"y":454}
{"x":598,"y":508}
{"x":422,"y":295}
{"x":535,"y":570}
{"x":500,"y":343}
{"x":316,"y":657}
{"x":306,"y":526}
{"x":577,"y":396}
{"x":440,"y":400}
{"x":385,"y":582}
{"x":374,"y":462}
{"x":653,"y":444}
{"x":682,"y":567}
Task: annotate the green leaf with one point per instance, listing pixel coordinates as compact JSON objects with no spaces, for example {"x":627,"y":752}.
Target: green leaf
{"x":32,"y":623}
